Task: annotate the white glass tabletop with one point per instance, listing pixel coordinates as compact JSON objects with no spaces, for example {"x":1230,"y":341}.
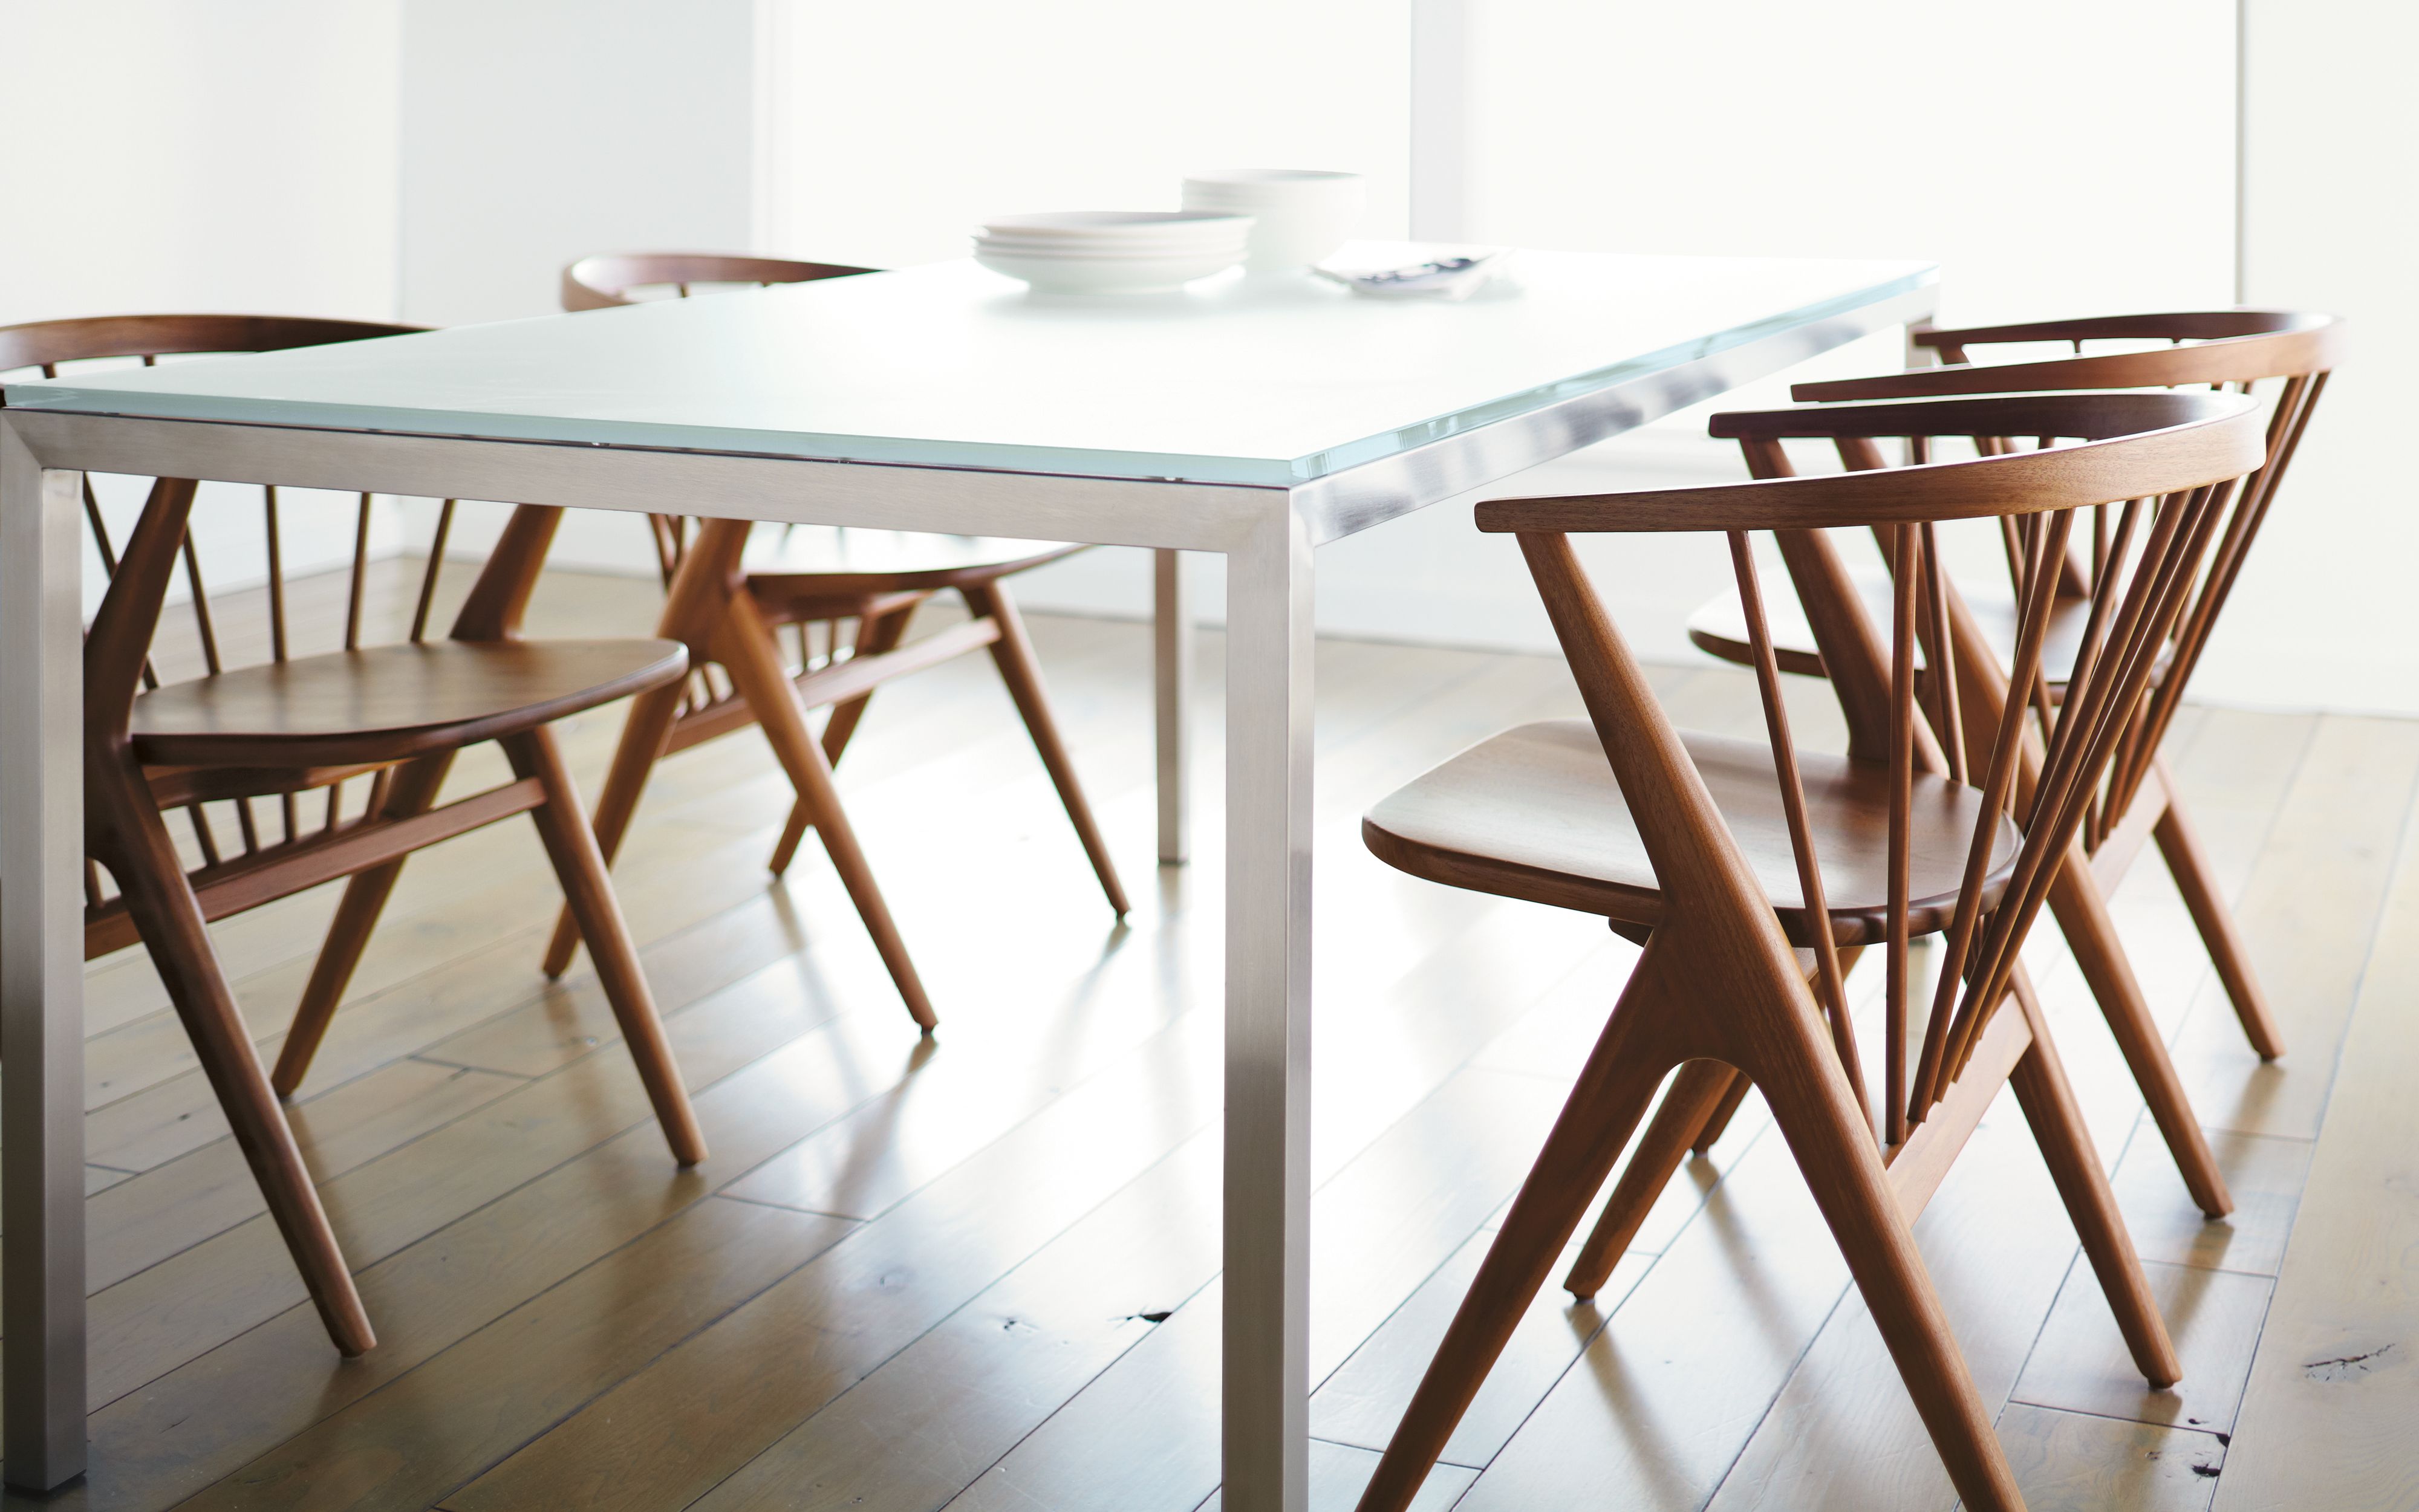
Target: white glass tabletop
{"x":1269,"y":381}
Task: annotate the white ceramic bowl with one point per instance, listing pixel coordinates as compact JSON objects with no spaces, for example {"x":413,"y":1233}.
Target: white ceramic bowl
{"x":1129,"y":273}
{"x":1300,"y":215}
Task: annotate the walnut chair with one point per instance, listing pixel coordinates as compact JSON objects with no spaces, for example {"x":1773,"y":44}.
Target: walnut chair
{"x":269,"y":734}
{"x":2229,"y":348}
{"x":1747,"y":868}
{"x":730,"y":587}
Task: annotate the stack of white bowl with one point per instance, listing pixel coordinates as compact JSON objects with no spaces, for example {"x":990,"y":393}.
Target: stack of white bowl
{"x":1112,"y":252}
{"x":1300,"y":214}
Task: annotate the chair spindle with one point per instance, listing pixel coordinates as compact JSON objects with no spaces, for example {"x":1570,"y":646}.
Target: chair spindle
{"x":201,"y":607}
{"x":429,"y":575}
{"x":276,"y":574}
{"x":360,"y":575}
{"x":1830,"y":979}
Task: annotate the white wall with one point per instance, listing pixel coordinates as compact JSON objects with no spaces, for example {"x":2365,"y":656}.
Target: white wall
{"x":2015,"y":147}
{"x":892,"y":130}
{"x":536,"y":131}
{"x":2325,"y":615}
{"x":237,"y":155}
{"x":231,"y":157}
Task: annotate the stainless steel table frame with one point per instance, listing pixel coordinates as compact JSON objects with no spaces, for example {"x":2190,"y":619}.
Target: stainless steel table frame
{"x":1268,"y":535}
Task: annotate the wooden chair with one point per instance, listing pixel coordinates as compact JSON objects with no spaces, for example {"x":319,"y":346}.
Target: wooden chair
{"x":744,"y":584}
{"x":1748,"y":869}
{"x":2229,"y":348}
{"x":391,"y":715}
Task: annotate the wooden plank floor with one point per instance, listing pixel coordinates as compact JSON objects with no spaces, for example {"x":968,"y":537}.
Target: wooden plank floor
{"x":981,"y":1270}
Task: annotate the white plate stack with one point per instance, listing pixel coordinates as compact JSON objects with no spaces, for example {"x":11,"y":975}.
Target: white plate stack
{"x":1300,"y":215}
{"x":1113,"y":252}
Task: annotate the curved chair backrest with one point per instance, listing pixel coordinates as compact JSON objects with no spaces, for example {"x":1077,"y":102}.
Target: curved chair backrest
{"x":2168,"y":463}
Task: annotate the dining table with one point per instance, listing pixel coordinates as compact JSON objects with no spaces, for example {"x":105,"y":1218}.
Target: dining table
{"x":1256,"y":417}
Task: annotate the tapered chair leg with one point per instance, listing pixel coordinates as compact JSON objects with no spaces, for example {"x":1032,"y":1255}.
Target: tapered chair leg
{"x":745,"y":648}
{"x":139,"y":854}
{"x":1611,"y":1095}
{"x":1018,"y":668}
{"x":1719,"y":1122}
{"x":874,"y":635}
{"x":414,"y":789}
{"x":693,"y":610}
{"x":571,"y":845}
{"x":794,"y":833}
{"x":2048,"y":1101}
{"x":1817,"y":1114}
{"x":2189,"y":864}
{"x":1700,"y":1087}
{"x":2083,"y":918}
{"x":644,"y":730}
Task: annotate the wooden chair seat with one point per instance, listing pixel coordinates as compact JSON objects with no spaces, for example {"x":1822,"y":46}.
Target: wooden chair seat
{"x":840,"y":559}
{"x":1534,"y":814}
{"x":386,"y":703}
{"x":1720,"y":626}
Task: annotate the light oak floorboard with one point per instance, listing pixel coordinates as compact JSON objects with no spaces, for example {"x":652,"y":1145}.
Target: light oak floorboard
{"x":987,"y":1376}
{"x":1843,"y":1433}
{"x":410,"y":1443}
{"x":1379,"y":1229}
{"x":2310,"y":910}
{"x":213,"y":1413}
{"x":1339,"y":1473}
{"x":1658,"y":1404}
{"x":2266,"y":1176}
{"x":2080,"y":1364}
{"x":669,"y":1434}
{"x":1361,"y":1403}
{"x":2073,"y":1463}
{"x":2335,"y":1391}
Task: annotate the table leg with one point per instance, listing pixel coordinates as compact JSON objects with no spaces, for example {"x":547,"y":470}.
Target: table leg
{"x":1172,"y":666}
{"x":41,"y":968}
{"x":1266,"y":1395}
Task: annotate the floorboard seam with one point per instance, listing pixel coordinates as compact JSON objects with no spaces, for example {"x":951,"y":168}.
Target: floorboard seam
{"x":1172,"y":1154}
{"x":1579,"y":1356}
{"x":623,"y":1132}
{"x":610,"y":1388}
{"x":469,"y":1113}
{"x":728,"y":1196}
